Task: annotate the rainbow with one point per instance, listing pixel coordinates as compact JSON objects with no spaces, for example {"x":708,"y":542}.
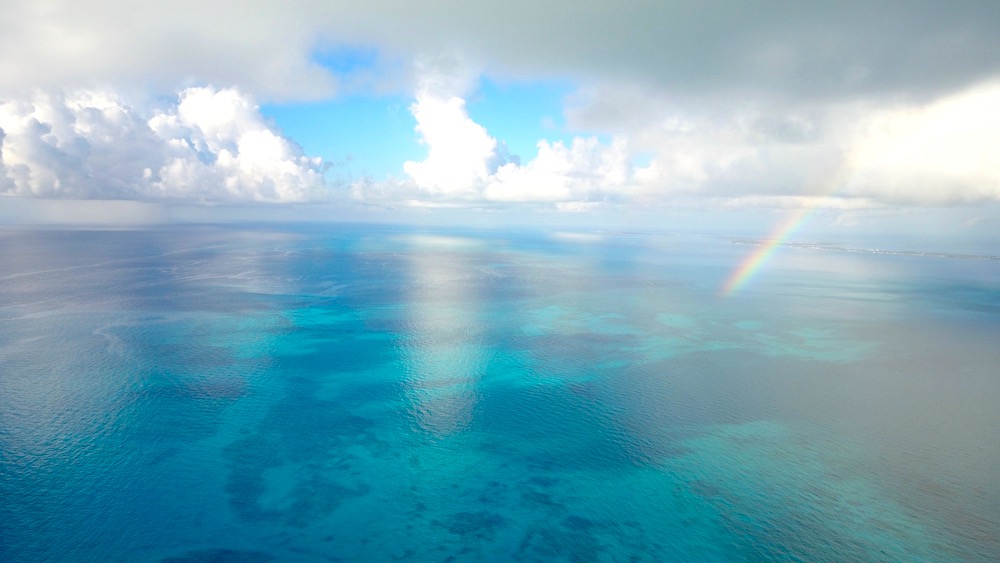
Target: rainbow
{"x":753,"y":263}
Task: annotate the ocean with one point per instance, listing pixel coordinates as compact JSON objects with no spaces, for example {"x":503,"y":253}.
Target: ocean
{"x":372,"y":393}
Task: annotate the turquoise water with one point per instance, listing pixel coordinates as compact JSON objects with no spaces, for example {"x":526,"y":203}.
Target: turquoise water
{"x":333,"y":393}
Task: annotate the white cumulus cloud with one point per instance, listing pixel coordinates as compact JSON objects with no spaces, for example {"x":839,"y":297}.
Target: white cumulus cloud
{"x":212,"y":145}
{"x":585,"y":170}
{"x":465,"y":164}
{"x":460,"y":151}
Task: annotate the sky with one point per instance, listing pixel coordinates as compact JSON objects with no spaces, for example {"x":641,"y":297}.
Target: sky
{"x":859,"y":117}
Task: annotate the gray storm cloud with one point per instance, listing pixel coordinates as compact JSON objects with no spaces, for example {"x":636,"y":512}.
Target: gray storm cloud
{"x":792,"y":50}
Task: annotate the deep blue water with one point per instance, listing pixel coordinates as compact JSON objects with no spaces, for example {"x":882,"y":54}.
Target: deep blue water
{"x":334,"y":393}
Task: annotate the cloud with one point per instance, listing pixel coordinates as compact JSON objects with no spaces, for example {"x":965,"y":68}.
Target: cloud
{"x":773,"y":49}
{"x":212,"y":145}
{"x":940,"y":153}
{"x":465,"y":164}
{"x":748,"y":149}
{"x":83,"y":144}
{"x":461,"y":154}
{"x":937,"y":152}
{"x":160,"y":44}
{"x":587,"y":170}
{"x":843,"y":156}
{"x":884,"y":103}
